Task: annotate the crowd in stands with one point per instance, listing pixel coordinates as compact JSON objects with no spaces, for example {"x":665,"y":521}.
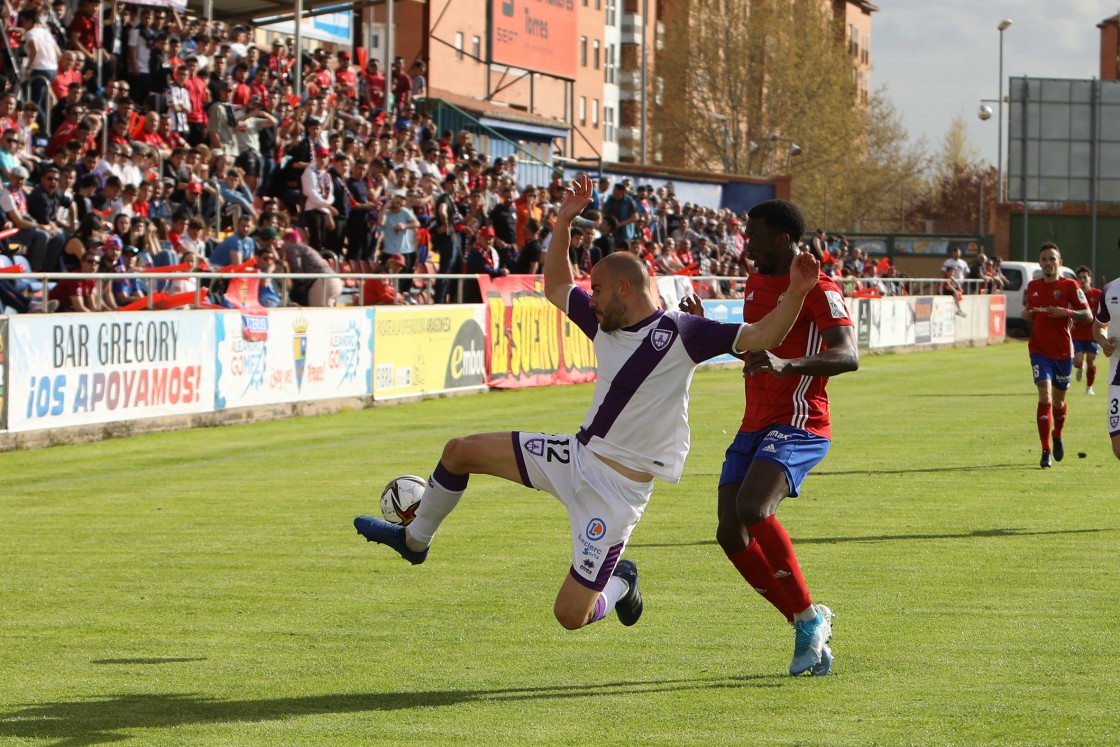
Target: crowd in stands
{"x":145,"y":140}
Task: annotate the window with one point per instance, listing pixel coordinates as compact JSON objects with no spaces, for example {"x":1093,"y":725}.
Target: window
{"x":608,"y":124}
{"x":595,"y":53}
{"x":609,"y":76}
{"x":595,"y":112}
{"x":582,"y":111}
{"x":612,"y":12}
{"x":583,"y":51}
{"x":459,"y":45}
{"x":476,"y":48}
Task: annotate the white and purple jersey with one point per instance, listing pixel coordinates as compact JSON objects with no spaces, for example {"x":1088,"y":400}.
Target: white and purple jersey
{"x":639,"y":414}
{"x":1109,"y":310}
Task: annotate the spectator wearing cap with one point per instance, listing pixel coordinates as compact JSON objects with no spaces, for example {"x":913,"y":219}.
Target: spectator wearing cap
{"x":38,"y":240}
{"x":251,"y":122}
{"x":398,"y":228}
{"x":317,"y":187}
{"x":222,"y":121}
{"x":301,"y":259}
{"x":238,"y":46}
{"x":191,"y":205}
{"x":383,"y":291}
{"x":482,"y":259}
{"x":127,"y":288}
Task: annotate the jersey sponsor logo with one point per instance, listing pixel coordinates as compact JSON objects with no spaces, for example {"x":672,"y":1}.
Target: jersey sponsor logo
{"x":769,"y":449}
{"x":588,"y":565}
{"x":836,"y":305}
{"x":596,"y":528}
{"x":777,"y":436}
{"x":661,"y":338}
{"x":1081,"y":296}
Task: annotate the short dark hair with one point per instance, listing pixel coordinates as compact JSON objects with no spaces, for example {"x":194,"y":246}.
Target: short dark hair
{"x":1084,"y":268}
{"x":781,"y":215}
{"x":1049,"y":245}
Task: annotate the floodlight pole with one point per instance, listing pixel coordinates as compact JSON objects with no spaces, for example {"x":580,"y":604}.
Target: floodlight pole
{"x":1003,"y":26}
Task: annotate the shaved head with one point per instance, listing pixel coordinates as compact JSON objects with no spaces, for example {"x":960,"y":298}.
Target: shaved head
{"x":625,"y":266}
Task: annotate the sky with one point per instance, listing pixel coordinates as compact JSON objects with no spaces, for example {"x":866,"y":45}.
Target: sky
{"x":939,"y":59}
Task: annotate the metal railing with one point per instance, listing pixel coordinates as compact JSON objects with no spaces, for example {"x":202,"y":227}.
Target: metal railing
{"x":721,"y":286}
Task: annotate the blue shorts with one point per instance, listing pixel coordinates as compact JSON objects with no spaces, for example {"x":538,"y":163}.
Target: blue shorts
{"x":1057,"y":370}
{"x":1086,"y":346}
{"x":795,"y":450}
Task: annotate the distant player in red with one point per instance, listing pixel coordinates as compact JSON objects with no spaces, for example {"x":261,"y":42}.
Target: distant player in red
{"x":1085,"y":350}
{"x":785,"y":430}
{"x":1051,"y":303}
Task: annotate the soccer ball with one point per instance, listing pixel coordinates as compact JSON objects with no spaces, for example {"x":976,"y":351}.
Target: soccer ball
{"x":401,"y":498}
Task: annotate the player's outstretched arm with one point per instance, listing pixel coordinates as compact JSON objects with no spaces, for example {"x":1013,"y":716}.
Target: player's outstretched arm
{"x":769,"y":331}
{"x":557,"y":271}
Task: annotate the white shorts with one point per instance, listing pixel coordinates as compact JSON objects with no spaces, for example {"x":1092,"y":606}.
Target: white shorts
{"x":1113,"y":410}
{"x":603,"y":505}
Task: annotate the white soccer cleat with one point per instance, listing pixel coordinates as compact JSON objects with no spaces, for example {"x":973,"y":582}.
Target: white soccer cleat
{"x":1090,"y":392}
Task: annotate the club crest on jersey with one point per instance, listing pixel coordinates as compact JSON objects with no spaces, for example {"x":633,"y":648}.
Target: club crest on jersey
{"x":1057,"y":295}
{"x":596,"y":528}
{"x":661,"y":338}
{"x":535,"y":446}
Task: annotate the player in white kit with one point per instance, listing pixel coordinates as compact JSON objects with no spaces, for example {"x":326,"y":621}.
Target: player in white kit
{"x":1109,"y":310}
{"x":635,"y":430}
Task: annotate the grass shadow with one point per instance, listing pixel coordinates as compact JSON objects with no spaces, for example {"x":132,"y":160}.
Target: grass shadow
{"x":150,"y":660}
{"x":975,"y":534}
{"x":114,"y":718}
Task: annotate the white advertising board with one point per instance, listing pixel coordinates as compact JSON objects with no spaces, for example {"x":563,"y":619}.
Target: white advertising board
{"x":80,"y":369}
{"x":306,"y":354}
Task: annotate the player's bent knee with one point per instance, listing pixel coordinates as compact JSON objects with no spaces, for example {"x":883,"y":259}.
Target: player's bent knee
{"x":569,"y":618}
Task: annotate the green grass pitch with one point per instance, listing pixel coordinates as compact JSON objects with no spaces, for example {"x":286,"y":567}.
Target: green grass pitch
{"x":207,"y":587}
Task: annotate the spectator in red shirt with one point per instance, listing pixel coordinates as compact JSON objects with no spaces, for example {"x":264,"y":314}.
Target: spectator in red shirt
{"x":241,"y":88}
{"x":346,"y":82}
{"x":85,"y":31}
{"x":375,"y":84}
{"x":70,"y":71}
{"x":199,"y":93}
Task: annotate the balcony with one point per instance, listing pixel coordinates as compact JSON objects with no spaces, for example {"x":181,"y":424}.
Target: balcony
{"x":632,"y":26}
{"x":629,"y":143}
{"x":629,"y":85}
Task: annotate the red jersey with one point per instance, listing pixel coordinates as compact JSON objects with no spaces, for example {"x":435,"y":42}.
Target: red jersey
{"x":1084,"y":330}
{"x":799,"y":401}
{"x":1050,"y":336}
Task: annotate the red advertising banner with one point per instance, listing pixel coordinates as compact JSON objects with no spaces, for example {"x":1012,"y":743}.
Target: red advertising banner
{"x":529,"y":342}
{"x":536,"y":35}
{"x":997,"y":318}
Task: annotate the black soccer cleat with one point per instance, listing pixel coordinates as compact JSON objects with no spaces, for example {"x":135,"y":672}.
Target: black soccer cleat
{"x":1046,"y":462}
{"x":629,"y":606}
{"x":390,"y":535}
{"x":1059,"y":450}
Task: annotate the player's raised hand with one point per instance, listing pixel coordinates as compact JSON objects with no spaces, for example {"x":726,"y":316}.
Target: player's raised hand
{"x":691,"y":304}
{"x":804,"y":272}
{"x":577,"y":196}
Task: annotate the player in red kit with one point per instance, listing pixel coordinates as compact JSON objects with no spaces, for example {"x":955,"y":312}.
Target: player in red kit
{"x":785,"y":430}
{"x":1085,"y":350}
{"x":1051,"y":303}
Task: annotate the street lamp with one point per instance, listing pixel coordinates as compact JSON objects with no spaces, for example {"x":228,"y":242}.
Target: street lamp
{"x":794,"y":150}
{"x":1003,"y":26}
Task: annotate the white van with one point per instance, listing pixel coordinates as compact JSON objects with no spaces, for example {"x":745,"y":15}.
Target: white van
{"x":1018,"y":274}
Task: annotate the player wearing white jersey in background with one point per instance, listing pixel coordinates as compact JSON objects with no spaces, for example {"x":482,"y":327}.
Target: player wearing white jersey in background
{"x":1109,"y":310}
{"x":635,"y":430}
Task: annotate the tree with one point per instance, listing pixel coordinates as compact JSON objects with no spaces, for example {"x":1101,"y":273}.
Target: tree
{"x":744,"y":81}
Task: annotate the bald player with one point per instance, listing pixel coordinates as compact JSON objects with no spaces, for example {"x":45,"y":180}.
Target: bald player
{"x":635,"y":430}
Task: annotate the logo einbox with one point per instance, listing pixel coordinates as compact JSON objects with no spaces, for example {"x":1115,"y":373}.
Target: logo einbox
{"x":596,"y":528}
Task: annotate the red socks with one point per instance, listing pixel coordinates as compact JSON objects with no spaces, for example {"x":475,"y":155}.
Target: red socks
{"x":1044,"y":425}
{"x":775,"y":546}
{"x":1059,"y":420}
{"x":1090,"y":374}
{"x":752,"y":566}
